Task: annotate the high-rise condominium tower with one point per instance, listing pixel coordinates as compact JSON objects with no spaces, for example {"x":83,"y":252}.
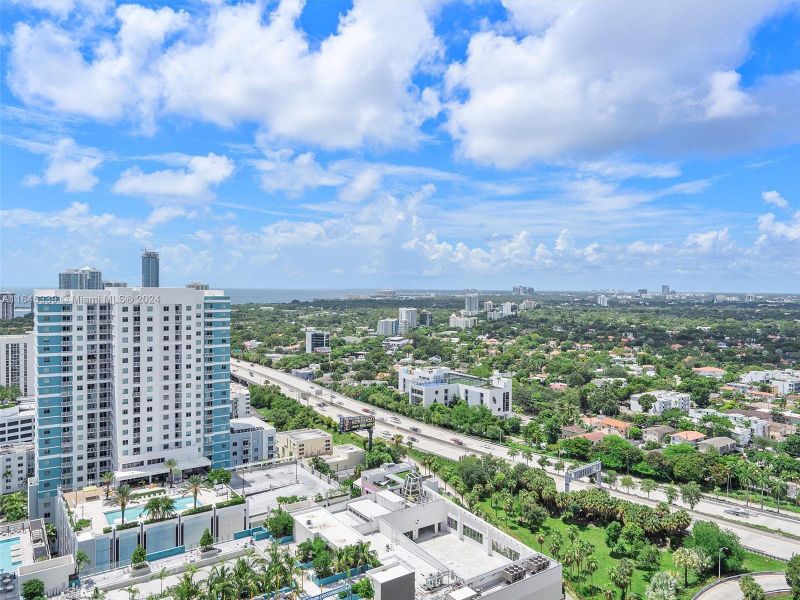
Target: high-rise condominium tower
{"x":149,"y":269}
{"x":126,"y":380}
{"x":407,"y":320}
{"x":86,"y":278}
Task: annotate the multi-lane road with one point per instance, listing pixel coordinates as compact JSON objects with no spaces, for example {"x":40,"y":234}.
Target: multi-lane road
{"x":442,"y":442}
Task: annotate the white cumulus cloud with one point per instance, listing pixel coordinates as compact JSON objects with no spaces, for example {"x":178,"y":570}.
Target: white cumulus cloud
{"x":774,"y":198}
{"x":67,"y":164}
{"x":191,"y":183}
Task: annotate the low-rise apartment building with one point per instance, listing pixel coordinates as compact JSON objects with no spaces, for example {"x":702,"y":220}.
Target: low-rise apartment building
{"x":303,"y":443}
{"x":252,"y":440}
{"x":664,"y":400}
{"x":440,"y":385}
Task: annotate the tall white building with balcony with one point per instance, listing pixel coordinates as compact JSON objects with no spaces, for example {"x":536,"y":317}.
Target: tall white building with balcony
{"x":18,"y":363}
{"x":407,"y":320}
{"x":388,"y":327}
{"x":127,"y":378}
{"x":440,"y":385}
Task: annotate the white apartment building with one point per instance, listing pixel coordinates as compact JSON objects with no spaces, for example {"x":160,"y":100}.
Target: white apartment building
{"x":407,"y":320}
{"x":508,"y":309}
{"x":471,"y":302}
{"x":782,"y":382}
{"x":18,"y":363}
{"x":488,"y":306}
{"x":388,"y":327}
{"x":17,"y":423}
{"x":252,"y":440}
{"x":317,"y":341}
{"x":17,"y":465}
{"x":126,"y":378}
{"x":602,"y":300}
{"x":17,"y":454}
{"x":240,"y":401}
{"x":460,"y":322}
{"x":440,"y":385}
{"x":665,"y":400}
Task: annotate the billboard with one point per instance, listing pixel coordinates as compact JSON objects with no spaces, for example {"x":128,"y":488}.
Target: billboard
{"x":356,"y":422}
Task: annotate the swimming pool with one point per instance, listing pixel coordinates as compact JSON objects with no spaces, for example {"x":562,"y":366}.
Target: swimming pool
{"x":132,"y":513}
{"x":7,"y":564}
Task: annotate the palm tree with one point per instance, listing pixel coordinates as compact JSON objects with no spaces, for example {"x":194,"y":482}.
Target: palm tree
{"x":513,"y":453}
{"x":363,"y":555}
{"x":122,"y":497}
{"x":186,"y":588}
{"x":172,"y":467}
{"x":194,"y":485}
{"x":540,"y":540}
{"x":779,"y":489}
{"x":161,"y":576}
{"x":107,"y":478}
{"x":648,"y":486}
{"x":527,"y":454}
{"x":98,"y":594}
{"x":132,"y":591}
{"x":81,"y":560}
{"x":591,"y":566}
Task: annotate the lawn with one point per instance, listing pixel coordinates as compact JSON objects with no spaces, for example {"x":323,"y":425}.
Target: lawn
{"x":581,"y":585}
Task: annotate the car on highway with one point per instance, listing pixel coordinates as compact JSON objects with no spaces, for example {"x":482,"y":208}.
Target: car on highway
{"x":385,"y":433}
{"x":366,"y":410}
{"x":412,"y":438}
{"x":414,"y":429}
{"x":736,"y":512}
{"x":457,"y":441}
{"x":320,"y":405}
{"x":394,"y":420}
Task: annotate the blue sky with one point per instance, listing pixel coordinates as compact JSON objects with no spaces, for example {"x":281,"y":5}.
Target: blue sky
{"x":435,"y":144}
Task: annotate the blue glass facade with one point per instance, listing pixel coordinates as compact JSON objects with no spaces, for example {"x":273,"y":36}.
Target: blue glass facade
{"x":217,"y":358}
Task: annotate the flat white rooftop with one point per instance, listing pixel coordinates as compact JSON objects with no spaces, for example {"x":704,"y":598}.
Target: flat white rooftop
{"x":392,"y":572}
{"x":327,"y":526}
{"x":305,"y":434}
{"x":466,"y":558}
{"x":250,"y":423}
{"x":368,"y":509}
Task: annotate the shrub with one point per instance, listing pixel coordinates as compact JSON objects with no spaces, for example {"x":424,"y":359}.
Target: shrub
{"x":206,"y":540}
{"x":32,"y":589}
{"x":363,"y":588}
{"x":280,"y":523}
{"x":139,"y":557}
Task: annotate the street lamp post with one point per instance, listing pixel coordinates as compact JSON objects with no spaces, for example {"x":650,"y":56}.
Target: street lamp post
{"x":719,"y":562}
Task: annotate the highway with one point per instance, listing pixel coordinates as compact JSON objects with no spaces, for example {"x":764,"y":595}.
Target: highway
{"x":439,"y":441}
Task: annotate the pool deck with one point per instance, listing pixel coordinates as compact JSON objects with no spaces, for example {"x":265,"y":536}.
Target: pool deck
{"x":25,"y":545}
{"x":94,"y":506}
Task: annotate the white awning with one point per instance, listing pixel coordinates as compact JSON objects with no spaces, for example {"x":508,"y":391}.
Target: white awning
{"x":196,"y":462}
{"x":184,"y":464}
{"x":140,"y":472}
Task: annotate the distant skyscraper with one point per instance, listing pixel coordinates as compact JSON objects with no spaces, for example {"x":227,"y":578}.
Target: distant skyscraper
{"x":407,"y":320}
{"x":602,"y":300}
{"x":6,"y":305}
{"x":86,"y":278}
{"x":425,"y":318}
{"x":149,"y":268}
{"x":665,"y":290}
{"x":471,"y":302}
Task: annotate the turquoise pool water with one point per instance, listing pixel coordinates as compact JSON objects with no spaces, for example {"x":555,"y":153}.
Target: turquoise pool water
{"x":6,"y":564}
{"x":132,"y":513}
